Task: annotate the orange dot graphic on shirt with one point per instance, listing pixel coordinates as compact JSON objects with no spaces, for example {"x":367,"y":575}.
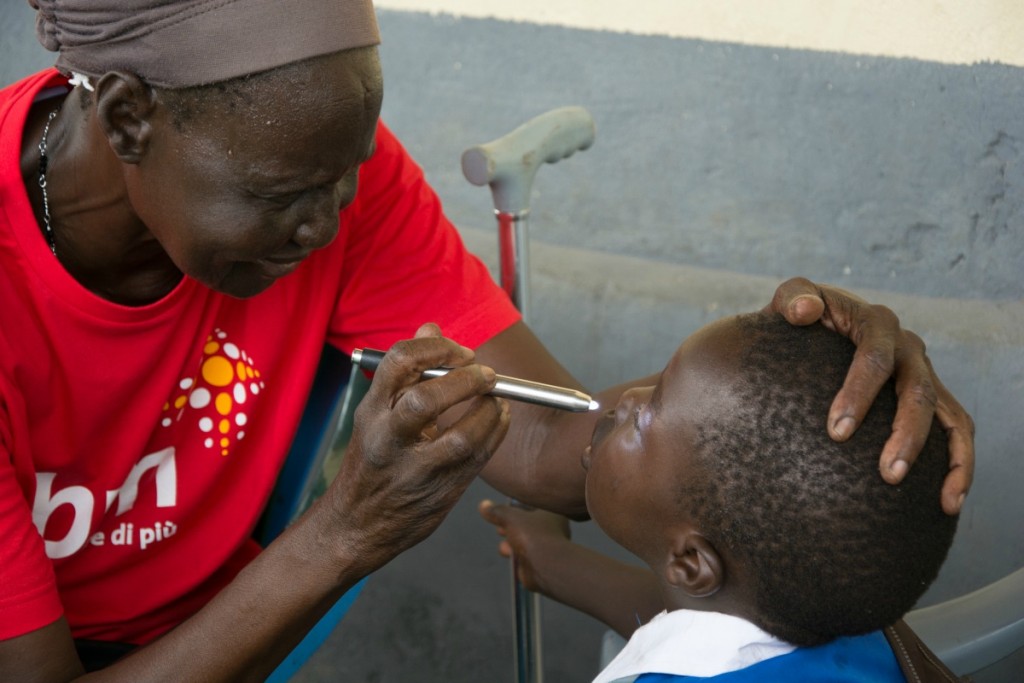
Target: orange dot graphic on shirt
{"x":249,"y":373}
{"x":217,"y":371}
{"x":224,"y":426}
{"x":240,"y":369}
{"x":224,"y":442}
{"x":224,"y":403}
{"x":180,"y":401}
{"x":211,"y":348}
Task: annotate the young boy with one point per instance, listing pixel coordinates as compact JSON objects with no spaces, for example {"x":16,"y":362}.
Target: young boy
{"x":777,"y":554}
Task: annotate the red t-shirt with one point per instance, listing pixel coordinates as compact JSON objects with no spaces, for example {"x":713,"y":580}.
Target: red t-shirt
{"x":138,"y":445}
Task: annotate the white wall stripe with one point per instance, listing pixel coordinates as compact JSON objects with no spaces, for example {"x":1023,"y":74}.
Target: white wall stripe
{"x":950,"y":31}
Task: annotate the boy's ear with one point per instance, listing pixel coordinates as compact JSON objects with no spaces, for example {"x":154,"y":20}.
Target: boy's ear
{"x":695,"y":567}
{"x":124,"y":108}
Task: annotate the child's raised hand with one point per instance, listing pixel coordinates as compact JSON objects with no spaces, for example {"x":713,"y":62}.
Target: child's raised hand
{"x":537,"y":538}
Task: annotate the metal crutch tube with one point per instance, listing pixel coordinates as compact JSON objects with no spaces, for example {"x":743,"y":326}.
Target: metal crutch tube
{"x":508,"y":165}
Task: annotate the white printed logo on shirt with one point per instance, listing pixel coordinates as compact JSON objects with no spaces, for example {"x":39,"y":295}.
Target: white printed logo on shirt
{"x":83,"y":503}
{"x":216,"y":398}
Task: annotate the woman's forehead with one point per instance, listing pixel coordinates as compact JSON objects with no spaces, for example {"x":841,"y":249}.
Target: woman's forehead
{"x":336,"y":81}
{"x":328,"y":103}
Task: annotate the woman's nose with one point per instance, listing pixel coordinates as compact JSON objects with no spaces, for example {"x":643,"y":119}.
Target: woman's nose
{"x":317,"y":232}
{"x":321,"y":225}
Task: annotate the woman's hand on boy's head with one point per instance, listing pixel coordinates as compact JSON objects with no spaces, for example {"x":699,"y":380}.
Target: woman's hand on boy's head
{"x":885,"y":350}
{"x":533,"y":536}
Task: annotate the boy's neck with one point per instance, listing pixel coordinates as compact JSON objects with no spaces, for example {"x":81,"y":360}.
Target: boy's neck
{"x":723,"y":601}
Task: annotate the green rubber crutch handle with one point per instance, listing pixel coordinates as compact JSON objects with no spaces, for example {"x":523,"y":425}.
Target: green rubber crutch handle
{"x":510,"y":163}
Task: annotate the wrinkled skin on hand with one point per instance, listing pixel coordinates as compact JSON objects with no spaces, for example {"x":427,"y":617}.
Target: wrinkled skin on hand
{"x":531,"y":535}
{"x":401,"y":474}
{"x":885,"y":350}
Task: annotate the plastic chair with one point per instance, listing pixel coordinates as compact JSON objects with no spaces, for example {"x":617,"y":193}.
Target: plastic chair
{"x":976,"y":630}
{"x":312,"y":463}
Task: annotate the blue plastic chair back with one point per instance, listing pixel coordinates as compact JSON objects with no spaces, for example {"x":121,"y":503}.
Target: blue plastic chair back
{"x":319,"y":445}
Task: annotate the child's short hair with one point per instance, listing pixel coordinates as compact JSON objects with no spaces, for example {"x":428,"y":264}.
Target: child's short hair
{"x":832,"y":548}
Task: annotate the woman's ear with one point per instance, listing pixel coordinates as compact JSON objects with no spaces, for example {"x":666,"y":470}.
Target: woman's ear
{"x":124,"y":108}
{"x":695,"y":567}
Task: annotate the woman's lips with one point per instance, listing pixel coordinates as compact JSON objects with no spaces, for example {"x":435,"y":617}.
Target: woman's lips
{"x":279,"y":266}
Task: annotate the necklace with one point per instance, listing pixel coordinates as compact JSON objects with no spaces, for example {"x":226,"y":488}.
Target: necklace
{"x":47,"y":227}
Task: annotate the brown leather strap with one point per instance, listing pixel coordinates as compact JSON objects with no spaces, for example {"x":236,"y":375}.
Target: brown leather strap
{"x":918,"y":663}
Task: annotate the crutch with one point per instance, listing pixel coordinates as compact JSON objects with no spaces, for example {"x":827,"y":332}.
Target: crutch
{"x":509,"y":165}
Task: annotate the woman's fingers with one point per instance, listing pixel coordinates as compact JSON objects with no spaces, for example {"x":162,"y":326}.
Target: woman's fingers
{"x":418,"y":405}
{"x":875,"y":331}
{"x":915,"y":409}
{"x":402,"y":473}
{"x":959,"y":428}
{"x":471,"y":440}
{"x":411,"y":403}
{"x":798,"y":301}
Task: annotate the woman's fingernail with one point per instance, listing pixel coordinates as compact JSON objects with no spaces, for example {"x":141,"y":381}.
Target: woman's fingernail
{"x":898,"y":468}
{"x":843,"y":428}
{"x":960,"y":502}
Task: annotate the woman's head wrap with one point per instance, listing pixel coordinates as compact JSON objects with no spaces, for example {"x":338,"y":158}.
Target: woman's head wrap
{"x":183,"y":43}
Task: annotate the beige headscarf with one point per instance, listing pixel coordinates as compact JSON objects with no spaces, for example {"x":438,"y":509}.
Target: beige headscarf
{"x":181,"y":43}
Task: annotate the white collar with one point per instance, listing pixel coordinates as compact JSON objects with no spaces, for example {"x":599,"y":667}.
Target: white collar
{"x":693,"y":643}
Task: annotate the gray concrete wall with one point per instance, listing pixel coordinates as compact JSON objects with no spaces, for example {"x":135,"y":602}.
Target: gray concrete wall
{"x":719,"y":170}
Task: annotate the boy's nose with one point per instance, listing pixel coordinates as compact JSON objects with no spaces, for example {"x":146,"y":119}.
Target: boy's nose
{"x":627,"y":401}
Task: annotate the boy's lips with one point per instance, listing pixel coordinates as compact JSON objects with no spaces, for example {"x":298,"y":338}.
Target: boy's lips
{"x":601,"y":430}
